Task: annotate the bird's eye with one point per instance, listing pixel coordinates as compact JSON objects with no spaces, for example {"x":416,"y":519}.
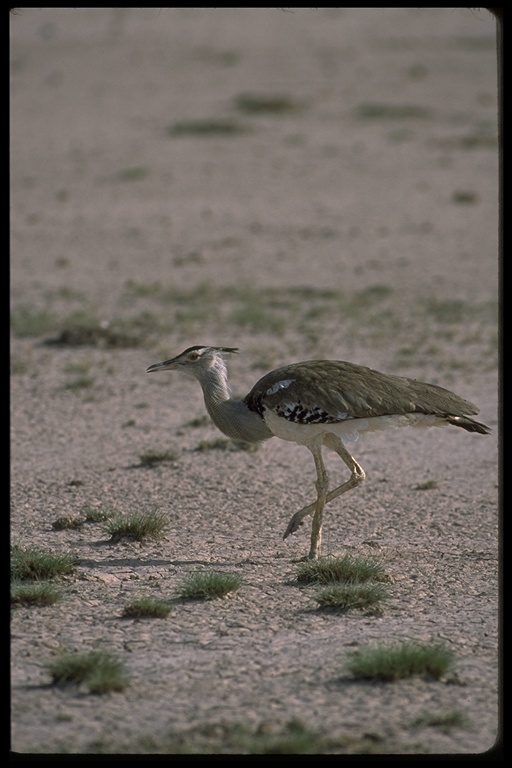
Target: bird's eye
{"x":193,"y":356}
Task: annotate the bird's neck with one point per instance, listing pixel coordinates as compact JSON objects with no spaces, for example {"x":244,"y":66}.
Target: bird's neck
{"x":215,"y":387}
{"x":232,"y":416}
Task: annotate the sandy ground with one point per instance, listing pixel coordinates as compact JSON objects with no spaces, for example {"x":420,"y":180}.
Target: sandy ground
{"x":300,"y":183}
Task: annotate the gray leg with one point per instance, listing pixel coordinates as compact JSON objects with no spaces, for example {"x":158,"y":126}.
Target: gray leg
{"x":357,"y":476}
{"x":322,"y":483}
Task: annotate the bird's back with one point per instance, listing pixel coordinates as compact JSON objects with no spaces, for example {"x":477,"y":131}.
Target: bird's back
{"x":331,"y":391}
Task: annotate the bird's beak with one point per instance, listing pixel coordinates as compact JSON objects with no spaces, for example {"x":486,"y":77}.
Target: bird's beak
{"x":167,"y":365}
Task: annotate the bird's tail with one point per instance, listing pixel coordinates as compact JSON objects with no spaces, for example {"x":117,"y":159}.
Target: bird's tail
{"x":469,"y":424}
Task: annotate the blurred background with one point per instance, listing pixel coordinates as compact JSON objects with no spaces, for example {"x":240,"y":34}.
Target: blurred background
{"x":325,"y":175}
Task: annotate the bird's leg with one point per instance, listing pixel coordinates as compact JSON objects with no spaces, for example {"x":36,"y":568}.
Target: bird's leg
{"x":357,"y":476}
{"x":322,"y":483}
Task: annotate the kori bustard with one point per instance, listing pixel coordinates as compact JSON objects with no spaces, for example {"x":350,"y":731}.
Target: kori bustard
{"x":319,"y":403}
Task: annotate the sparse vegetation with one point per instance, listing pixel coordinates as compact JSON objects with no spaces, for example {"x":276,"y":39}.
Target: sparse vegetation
{"x":217,"y":443}
{"x":137,"y":525}
{"x":89,"y":332}
{"x":222,"y":444}
{"x":300,"y":307}
{"x":345,"y":597}
{"x":267,"y":104}
{"x":79,"y":382}
{"x":208,"y":585}
{"x":208,"y":127}
{"x":147,"y":608}
{"x":464,"y":197}
{"x":65,"y":293}
{"x":78,"y":367}
{"x":445,"y":721}
{"x":428,"y":485}
{"x":28,"y":321}
{"x":277,"y":309}
{"x":258,"y":317}
{"x":31,"y":564}
{"x":400,"y":660}
{"x":349,"y":582}
{"x":479,"y":139}
{"x":68,"y":523}
{"x":293,"y":738}
{"x":36,"y":594}
{"x":347,"y":568}
{"x":18,"y":366}
{"x":152,"y":457}
{"x":392,"y":112}
{"x":198,"y":421}
{"x":79,"y":328}
{"x":98,"y":671}
{"x":448,"y":310}
{"x":97,"y":514}
{"x":137,"y":173}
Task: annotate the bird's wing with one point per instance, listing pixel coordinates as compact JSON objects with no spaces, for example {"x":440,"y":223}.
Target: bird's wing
{"x":337,"y":390}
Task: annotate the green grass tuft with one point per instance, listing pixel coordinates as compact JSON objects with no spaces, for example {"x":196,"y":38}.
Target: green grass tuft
{"x":345,"y":597}
{"x":206,"y":128}
{"x":99,"y":671}
{"x":448,"y":310}
{"x":79,"y":382}
{"x":216,"y":444}
{"x":295,"y":738}
{"x":238,"y":738}
{"x":392,"y":112}
{"x":257,"y":104}
{"x":97,"y":514}
{"x":151,"y":457}
{"x":445,"y":721}
{"x":37,"y":594}
{"x":136,"y":173}
{"x":208,"y":585}
{"x":137,"y":525}
{"x":401,"y":660}
{"x":340,"y":569}
{"x":428,"y":485}
{"x":33,"y":564}
{"x":27,"y":321}
{"x":257,"y":317}
{"x":147,"y":608}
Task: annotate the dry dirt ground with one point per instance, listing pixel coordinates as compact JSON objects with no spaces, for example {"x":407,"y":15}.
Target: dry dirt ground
{"x":300,"y":183}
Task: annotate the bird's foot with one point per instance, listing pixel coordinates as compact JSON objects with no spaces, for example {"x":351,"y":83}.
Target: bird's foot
{"x":298,"y":519}
{"x":293,"y":525}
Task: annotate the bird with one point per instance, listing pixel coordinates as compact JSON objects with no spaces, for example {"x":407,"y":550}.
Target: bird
{"x":317,"y":404}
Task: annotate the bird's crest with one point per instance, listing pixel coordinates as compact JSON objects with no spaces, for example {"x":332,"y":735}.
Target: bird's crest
{"x":232,"y":350}
{"x":207,"y":347}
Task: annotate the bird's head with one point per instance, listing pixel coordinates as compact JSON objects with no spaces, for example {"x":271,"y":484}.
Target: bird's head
{"x":195,"y":361}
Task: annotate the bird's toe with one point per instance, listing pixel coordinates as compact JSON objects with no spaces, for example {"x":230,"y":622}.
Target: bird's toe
{"x":294,"y":525}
